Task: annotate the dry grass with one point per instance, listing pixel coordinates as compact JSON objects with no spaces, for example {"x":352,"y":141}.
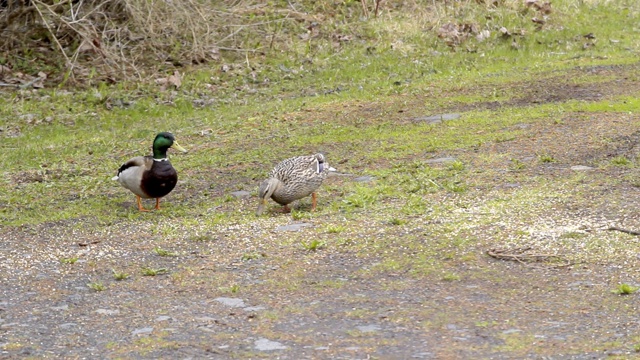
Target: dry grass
{"x":98,"y":40}
{"x":131,"y":38}
{"x":86,"y":42}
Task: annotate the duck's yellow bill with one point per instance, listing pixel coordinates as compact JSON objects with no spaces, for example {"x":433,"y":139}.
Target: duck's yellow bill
{"x":178,"y":147}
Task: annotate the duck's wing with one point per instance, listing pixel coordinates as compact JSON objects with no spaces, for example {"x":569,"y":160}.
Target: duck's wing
{"x":136,"y":165}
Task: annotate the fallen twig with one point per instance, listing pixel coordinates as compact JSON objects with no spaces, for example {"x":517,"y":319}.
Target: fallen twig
{"x":631,"y":232}
{"x":82,"y":244}
{"x":22,"y":86}
{"x":522,"y":256}
{"x":377,"y":6}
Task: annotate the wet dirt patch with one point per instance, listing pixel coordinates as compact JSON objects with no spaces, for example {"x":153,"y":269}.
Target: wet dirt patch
{"x":620,"y":80}
{"x":576,"y":139}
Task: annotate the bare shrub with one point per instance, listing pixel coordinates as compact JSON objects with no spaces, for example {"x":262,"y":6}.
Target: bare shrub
{"x":116,"y":39}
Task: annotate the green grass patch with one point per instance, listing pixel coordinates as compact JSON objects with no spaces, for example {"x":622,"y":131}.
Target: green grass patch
{"x":625,"y":289}
{"x":147,"y":271}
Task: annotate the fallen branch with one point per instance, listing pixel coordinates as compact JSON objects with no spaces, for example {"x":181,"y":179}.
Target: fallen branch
{"x":631,"y":232}
{"x":82,"y":244}
{"x":523,"y":256}
{"x":22,"y":86}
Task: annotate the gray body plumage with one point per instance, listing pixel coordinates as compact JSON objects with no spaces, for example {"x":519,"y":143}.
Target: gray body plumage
{"x":293,"y":179}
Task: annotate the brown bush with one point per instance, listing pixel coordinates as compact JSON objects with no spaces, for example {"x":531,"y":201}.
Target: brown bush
{"x":116,"y":39}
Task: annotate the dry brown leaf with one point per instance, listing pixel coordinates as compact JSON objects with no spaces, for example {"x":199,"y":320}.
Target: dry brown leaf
{"x":505,"y":32}
{"x":4,"y":71}
{"x":85,"y":47}
{"x":38,"y":84}
{"x":538,"y":20}
{"x":482,"y":35}
{"x":544,"y":8}
{"x":342,"y":37}
{"x":448,"y":30}
{"x":175,"y":79}
{"x":214,"y":53}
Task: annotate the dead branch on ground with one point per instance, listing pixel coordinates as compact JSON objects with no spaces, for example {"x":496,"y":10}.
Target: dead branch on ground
{"x":525,"y":255}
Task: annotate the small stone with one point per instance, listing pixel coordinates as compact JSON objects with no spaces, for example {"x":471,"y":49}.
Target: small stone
{"x":581,"y":168}
{"x":293,"y":227}
{"x":60,"y":308}
{"x":254,"y":308}
{"x":68,"y":325}
{"x":435,"y":119}
{"x":140,"y":331}
{"x":263,"y":344}
{"x":365,"y":178}
{"x":163,"y":318}
{"x":368,"y":328}
{"x":241,"y":194}
{"x":107,"y":312}
{"x":440,"y":160}
{"x":321,"y":348}
{"x":232,"y":302}
{"x":422,"y":355}
{"x":207,"y":329}
{"x":206,"y":319}
{"x":511,"y":331}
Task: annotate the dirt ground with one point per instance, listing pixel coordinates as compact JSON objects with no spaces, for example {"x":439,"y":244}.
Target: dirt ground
{"x":344,"y":303}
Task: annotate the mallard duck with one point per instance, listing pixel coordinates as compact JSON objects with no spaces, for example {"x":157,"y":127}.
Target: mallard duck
{"x":151,"y":176}
{"x":293,"y":179}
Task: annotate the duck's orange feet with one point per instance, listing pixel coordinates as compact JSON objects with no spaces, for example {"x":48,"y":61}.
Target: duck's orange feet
{"x":139,"y":200}
{"x":157,"y":203}
{"x":314,"y":201}
{"x":285,"y":209}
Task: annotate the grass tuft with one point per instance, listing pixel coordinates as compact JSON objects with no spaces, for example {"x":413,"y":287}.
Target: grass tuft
{"x":546,"y":158}
{"x":162,"y":252}
{"x":620,"y":161}
{"x":450,"y":277}
{"x":313,"y":245}
{"x":71,"y":260}
{"x":625,"y":289}
{"x":335,"y":229}
{"x":517,"y":165}
{"x":120,"y":275}
{"x":253,"y":256}
{"x":147,"y":271}
{"x":233,"y":289}
{"x":96,"y":286}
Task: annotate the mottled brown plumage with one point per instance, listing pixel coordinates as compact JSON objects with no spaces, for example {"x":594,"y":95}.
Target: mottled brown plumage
{"x":293,"y":179}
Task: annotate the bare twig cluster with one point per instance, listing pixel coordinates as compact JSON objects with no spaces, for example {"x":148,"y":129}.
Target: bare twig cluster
{"x":116,"y":39}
